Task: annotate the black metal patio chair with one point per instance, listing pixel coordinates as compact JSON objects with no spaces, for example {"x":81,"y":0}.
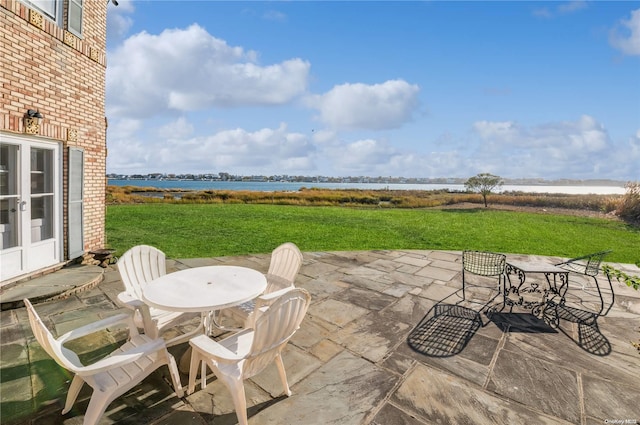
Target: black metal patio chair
{"x":589,"y":265}
{"x":483,"y":263}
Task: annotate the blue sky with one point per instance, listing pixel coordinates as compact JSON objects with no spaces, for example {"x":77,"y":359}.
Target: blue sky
{"x":414,"y":89}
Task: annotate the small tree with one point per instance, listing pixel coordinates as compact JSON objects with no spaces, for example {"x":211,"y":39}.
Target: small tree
{"x":484,"y":183}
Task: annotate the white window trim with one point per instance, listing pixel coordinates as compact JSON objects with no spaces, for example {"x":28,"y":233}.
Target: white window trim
{"x":57,"y":13}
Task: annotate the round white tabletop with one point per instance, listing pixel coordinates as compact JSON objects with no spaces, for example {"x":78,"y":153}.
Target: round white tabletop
{"x":202,"y":289}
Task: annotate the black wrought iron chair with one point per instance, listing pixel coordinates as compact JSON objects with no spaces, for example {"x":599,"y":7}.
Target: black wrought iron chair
{"x":483,"y":263}
{"x":589,"y":265}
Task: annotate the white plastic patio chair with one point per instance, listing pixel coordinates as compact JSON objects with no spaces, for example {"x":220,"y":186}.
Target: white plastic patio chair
{"x":111,"y":376}
{"x":247,"y":353}
{"x":139,"y":266}
{"x":284,"y":266}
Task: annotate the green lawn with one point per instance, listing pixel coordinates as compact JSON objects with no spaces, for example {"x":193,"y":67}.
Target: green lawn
{"x":212,"y":230}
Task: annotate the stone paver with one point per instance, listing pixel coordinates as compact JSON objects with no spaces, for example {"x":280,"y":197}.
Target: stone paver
{"x":351,"y":362}
{"x":443,"y":399}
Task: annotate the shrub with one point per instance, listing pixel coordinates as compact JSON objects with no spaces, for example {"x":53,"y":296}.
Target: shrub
{"x":629,"y":207}
{"x":630,"y":281}
{"x":361,"y":198}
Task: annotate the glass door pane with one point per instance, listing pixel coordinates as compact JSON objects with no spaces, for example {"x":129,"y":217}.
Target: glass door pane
{"x":9,"y":197}
{"x":41,"y":194}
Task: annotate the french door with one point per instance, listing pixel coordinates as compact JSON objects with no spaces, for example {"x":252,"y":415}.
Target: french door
{"x":30,"y":205}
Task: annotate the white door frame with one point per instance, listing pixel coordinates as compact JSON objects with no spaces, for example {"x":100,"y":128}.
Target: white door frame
{"x":38,"y":243}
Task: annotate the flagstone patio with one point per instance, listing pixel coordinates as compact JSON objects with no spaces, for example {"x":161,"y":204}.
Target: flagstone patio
{"x":388,"y":340}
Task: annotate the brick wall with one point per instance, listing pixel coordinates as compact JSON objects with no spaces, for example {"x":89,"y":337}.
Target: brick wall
{"x":44,"y":67}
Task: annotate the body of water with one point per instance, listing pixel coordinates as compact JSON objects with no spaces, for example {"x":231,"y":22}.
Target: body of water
{"x":293,"y":187}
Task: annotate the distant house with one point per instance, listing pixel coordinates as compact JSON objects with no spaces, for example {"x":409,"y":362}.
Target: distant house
{"x":52,"y":133}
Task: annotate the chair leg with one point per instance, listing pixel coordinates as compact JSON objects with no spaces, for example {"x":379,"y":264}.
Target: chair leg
{"x":175,"y":375}
{"x":613,"y":297}
{"x":236,"y":387}
{"x":203,"y":374}
{"x":97,"y":406}
{"x":463,"y":294}
{"x":193,"y":371}
{"x":72,"y":394}
{"x":150,"y":325}
{"x":283,"y":374}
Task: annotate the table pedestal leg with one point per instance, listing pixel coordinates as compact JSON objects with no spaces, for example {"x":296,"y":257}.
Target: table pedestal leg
{"x":185,"y":361}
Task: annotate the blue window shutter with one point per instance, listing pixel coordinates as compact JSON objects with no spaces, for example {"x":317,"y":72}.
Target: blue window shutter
{"x":75,"y":241}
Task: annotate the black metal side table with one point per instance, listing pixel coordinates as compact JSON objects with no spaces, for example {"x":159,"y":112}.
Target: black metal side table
{"x":540,"y":297}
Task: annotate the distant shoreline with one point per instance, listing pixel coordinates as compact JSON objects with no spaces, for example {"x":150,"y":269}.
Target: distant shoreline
{"x":365,"y":181}
{"x":265,"y":186}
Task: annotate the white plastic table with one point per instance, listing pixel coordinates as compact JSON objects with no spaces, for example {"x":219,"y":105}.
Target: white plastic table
{"x":204,"y":289}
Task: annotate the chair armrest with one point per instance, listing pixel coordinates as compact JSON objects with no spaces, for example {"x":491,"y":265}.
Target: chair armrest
{"x":275,"y":283}
{"x":266,"y":300}
{"x":129,"y":301}
{"x":215,"y":350}
{"x":88,"y":329}
{"x":122,"y":358}
{"x":271,"y":296}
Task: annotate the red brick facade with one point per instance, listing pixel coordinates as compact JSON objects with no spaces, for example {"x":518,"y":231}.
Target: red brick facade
{"x":45,"y":67}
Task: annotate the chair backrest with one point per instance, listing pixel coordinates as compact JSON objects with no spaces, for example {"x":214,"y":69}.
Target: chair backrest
{"x":593,"y":263}
{"x":274,"y":328}
{"x":587,"y":264}
{"x":63,"y":356}
{"x":140,"y":265}
{"x":484,"y":263}
{"x":286,"y":261}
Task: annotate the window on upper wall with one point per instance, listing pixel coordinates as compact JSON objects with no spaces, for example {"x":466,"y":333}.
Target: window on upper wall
{"x":74,"y":22}
{"x":54,"y":9}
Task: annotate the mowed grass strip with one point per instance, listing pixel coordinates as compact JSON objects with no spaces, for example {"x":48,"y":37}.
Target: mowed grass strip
{"x":213,"y":230}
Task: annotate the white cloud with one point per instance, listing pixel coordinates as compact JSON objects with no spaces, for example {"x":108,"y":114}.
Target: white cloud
{"x":237,"y":151}
{"x":128,"y":153}
{"x":506,"y":131}
{"x":626,"y":35}
{"x":626,"y":160}
{"x":579,"y":148}
{"x":572,"y":6}
{"x":634,"y":151}
{"x":560,"y":9}
{"x":585,"y":134}
{"x":124,"y":127}
{"x":372,"y":157}
{"x":363,"y":155}
{"x":371,"y":107}
{"x":177,"y":129}
{"x":188,"y":69}
{"x":274,"y":15}
{"x":118,"y":23}
{"x":324,"y":136}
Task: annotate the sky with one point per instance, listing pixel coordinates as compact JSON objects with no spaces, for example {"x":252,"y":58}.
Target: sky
{"x":420,"y":89}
